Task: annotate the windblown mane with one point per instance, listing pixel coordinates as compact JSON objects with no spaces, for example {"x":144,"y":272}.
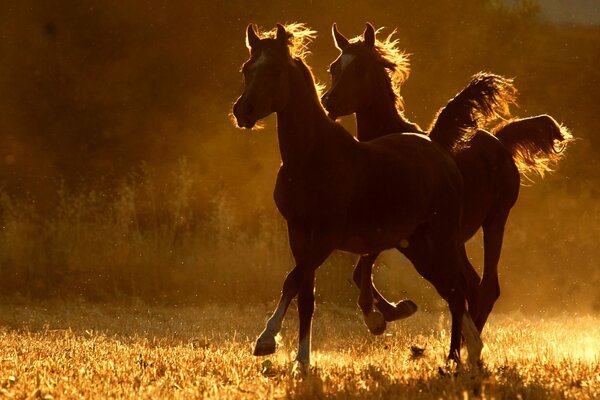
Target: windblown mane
{"x":395,"y":61}
{"x":536,"y":143}
{"x":299,"y":37}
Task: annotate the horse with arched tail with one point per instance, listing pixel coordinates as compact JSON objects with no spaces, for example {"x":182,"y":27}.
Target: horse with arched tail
{"x":366,"y":80}
{"x":537,"y":144}
{"x":338,"y":193}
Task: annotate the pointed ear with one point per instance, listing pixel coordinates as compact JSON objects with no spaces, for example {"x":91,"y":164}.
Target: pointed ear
{"x":252,"y":38}
{"x":282,"y":35}
{"x":369,"y":36}
{"x":340,"y":41}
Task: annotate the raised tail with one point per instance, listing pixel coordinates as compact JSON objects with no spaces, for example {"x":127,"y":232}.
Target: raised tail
{"x":484,"y":98}
{"x":536,"y":143}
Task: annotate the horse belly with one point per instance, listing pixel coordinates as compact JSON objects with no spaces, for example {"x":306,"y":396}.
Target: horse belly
{"x":376,"y":242}
{"x":376,"y":230}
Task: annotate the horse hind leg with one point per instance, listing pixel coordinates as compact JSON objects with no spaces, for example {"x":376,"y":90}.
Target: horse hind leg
{"x":470,"y":333}
{"x":462,"y":326}
{"x":489,"y":288}
{"x":472,"y":282}
{"x":446,"y":271}
{"x":472,"y":339}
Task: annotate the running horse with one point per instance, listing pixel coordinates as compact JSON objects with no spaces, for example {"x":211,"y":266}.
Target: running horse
{"x":338,"y":193}
{"x":366,"y":80}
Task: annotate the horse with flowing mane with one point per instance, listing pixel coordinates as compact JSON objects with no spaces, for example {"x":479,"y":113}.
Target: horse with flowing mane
{"x":366,"y":80}
{"x":338,"y":193}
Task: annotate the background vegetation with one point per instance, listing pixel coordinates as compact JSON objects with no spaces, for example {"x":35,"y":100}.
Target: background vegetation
{"x":123,"y":177}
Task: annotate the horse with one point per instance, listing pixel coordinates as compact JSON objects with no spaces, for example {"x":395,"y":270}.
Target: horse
{"x":366,"y":80}
{"x":338,"y":193}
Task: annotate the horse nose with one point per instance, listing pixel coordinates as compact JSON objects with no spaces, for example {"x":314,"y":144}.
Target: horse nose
{"x":236,"y":108}
{"x":249,"y":109}
{"x":242,"y":111}
{"x":242,"y":108}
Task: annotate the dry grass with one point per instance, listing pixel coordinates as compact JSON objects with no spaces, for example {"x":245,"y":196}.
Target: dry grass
{"x":80,"y":350}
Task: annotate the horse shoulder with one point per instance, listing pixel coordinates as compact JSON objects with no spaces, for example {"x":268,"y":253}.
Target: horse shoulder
{"x":318,"y":193}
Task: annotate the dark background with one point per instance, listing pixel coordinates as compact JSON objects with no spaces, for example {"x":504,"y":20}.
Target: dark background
{"x":123,"y":176}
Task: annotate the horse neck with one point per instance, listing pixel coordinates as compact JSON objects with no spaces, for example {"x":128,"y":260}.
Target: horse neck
{"x":301,"y":123}
{"x":381,"y":117}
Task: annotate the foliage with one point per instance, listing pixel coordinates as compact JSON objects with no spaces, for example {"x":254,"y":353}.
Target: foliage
{"x":173,"y":240}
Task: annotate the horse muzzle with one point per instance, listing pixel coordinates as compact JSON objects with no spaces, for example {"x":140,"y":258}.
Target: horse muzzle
{"x":243,"y":114}
{"x":331,"y":107}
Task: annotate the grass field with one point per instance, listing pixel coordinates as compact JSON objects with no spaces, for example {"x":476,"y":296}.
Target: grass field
{"x":69,"y":350}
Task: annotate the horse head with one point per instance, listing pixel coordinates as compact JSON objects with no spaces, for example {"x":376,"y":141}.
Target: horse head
{"x":265,"y":88}
{"x":362,"y":66}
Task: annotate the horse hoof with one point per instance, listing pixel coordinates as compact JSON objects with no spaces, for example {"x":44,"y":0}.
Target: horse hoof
{"x":375,"y":322}
{"x":403,"y":309}
{"x":300,"y":369}
{"x":264,"y":347}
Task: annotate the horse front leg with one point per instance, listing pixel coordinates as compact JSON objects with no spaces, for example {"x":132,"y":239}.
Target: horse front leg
{"x":266,"y":344}
{"x":391,"y":312}
{"x":309,"y":251}
{"x":306,"y":307}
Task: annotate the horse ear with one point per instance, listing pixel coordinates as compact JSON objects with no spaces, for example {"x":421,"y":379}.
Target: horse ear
{"x":282,"y":35}
{"x":252,"y":38}
{"x":369,"y":36}
{"x":340,"y":41}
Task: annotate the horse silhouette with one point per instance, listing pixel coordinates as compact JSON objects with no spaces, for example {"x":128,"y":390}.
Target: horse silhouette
{"x":366,"y":80}
{"x":338,"y":193}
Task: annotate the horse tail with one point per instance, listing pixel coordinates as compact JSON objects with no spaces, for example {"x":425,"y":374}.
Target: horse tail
{"x":536,"y":143}
{"x":484,"y":98}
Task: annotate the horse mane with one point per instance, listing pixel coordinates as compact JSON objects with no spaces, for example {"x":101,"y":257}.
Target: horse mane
{"x":299,"y":37}
{"x":485,"y":97}
{"x":536,"y":143}
{"x":395,"y":61}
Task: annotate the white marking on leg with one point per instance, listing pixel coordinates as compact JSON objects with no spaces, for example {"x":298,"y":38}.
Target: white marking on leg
{"x":473,"y":339}
{"x":274,"y":323}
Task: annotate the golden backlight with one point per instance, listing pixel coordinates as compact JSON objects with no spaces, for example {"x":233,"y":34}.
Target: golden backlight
{"x":139,"y":242}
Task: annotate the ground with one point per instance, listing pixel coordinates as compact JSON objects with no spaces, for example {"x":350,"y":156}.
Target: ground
{"x":82,"y":350}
